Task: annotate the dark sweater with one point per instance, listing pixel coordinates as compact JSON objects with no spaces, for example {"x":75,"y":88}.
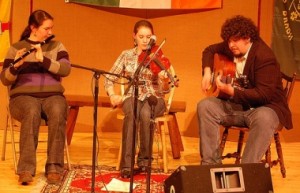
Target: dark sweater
{"x":40,"y":79}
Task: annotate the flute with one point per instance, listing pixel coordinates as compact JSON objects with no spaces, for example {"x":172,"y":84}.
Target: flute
{"x":31,"y":50}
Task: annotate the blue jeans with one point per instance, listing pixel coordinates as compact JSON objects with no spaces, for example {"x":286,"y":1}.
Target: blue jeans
{"x":28,"y":110}
{"x":213,"y":112}
{"x":143,"y":123}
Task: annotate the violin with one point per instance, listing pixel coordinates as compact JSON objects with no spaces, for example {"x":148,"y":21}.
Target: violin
{"x":159,"y":57}
{"x":158,"y":63}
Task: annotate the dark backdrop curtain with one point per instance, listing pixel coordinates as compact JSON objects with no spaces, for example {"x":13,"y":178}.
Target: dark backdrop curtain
{"x":286,"y":35}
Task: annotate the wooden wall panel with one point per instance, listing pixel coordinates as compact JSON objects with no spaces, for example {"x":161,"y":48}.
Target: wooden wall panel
{"x":95,"y":38}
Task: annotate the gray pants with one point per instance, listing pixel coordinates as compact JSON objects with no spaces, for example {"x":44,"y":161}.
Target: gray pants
{"x":28,"y":110}
{"x":143,"y":123}
{"x":213,"y":112}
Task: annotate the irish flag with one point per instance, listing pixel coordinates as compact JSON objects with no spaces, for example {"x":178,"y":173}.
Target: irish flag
{"x":154,"y":4}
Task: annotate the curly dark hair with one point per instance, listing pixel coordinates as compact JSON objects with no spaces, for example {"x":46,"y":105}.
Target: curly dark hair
{"x":239,"y":27}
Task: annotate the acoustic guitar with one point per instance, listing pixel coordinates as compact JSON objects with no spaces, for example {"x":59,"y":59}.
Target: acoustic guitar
{"x":227,"y":69}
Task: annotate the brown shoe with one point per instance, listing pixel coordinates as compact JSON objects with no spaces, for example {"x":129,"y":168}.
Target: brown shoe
{"x":53,"y":177}
{"x":25,"y":177}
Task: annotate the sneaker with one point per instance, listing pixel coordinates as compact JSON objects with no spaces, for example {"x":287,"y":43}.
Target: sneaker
{"x":25,"y":177}
{"x":53,"y":177}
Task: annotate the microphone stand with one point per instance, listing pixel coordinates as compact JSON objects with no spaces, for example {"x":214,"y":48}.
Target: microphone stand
{"x":152,"y":103}
{"x":135,"y":83}
{"x":96,"y":75}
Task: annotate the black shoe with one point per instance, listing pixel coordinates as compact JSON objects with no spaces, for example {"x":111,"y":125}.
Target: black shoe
{"x":53,"y":178}
{"x":142,"y":169}
{"x":125,"y":173}
{"x":25,"y":178}
{"x":143,"y":164}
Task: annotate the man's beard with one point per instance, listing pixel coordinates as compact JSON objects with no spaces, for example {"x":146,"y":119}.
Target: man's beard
{"x":238,"y":55}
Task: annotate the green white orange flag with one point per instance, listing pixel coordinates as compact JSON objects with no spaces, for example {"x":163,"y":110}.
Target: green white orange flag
{"x":154,"y":4}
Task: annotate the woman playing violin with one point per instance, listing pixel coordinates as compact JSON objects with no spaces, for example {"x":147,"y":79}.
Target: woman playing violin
{"x":152,"y":82}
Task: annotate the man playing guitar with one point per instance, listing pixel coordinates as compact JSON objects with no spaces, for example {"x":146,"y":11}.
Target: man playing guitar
{"x":260,"y":105}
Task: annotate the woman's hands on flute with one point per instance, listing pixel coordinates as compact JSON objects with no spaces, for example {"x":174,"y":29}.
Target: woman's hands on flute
{"x":38,"y":52}
{"x":19,"y":54}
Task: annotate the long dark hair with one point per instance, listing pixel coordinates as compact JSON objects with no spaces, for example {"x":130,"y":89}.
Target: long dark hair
{"x":36,"y":19}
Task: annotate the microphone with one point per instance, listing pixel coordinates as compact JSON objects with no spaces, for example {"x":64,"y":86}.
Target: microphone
{"x":152,"y":101}
{"x":151,"y":42}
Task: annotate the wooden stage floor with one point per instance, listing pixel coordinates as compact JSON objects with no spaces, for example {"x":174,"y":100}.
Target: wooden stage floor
{"x":81,"y":153}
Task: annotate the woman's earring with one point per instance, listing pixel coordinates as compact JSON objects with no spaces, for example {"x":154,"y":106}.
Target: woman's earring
{"x":134,"y":42}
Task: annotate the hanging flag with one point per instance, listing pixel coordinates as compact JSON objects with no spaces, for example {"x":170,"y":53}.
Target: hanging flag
{"x":286,"y":35}
{"x":5,"y":26}
{"x":154,"y":4}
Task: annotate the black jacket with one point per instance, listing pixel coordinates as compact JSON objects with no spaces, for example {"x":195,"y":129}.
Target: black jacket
{"x":263,"y":72}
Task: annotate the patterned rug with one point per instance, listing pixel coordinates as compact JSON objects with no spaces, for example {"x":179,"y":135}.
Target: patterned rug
{"x":79,"y":179}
